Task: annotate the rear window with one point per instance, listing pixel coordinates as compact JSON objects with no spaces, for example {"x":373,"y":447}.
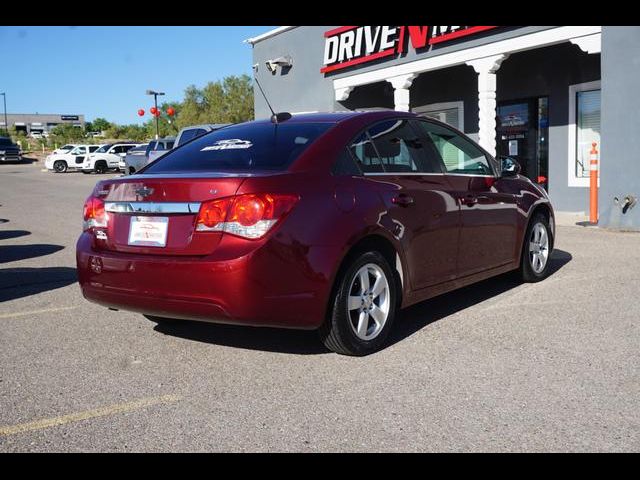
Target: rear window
{"x":248,"y":146}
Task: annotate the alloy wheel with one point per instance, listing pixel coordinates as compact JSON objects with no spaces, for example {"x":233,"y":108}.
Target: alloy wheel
{"x":538,"y":247}
{"x":368,"y":303}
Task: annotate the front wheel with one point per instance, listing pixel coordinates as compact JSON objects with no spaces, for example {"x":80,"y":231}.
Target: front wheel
{"x":363,"y":308}
{"x":536,"y":251}
{"x":100,"y":167}
{"x":60,"y":166}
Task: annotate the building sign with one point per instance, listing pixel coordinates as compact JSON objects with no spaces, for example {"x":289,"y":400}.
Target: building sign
{"x":348,"y":46}
{"x":69,"y":117}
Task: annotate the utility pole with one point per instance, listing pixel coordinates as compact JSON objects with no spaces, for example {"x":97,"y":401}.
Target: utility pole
{"x":155,"y":102}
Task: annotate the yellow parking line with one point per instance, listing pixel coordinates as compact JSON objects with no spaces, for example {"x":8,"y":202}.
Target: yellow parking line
{"x":35,"y":312}
{"x":79,"y":416}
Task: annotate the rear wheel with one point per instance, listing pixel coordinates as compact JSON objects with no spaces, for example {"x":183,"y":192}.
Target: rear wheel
{"x":536,"y":251}
{"x":60,"y":166}
{"x":363,"y":308}
{"x":100,"y":167}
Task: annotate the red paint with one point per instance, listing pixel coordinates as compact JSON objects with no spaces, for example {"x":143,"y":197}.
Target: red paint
{"x":471,"y":227}
{"x":418,"y":36}
{"x":141,"y":112}
{"x":337,"y":31}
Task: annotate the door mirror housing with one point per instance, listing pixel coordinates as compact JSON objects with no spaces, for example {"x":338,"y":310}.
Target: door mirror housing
{"x":510,"y":167}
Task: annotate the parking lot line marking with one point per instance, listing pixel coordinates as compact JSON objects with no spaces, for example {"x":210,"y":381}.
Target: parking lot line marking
{"x":35,"y":312}
{"x":89,"y":414}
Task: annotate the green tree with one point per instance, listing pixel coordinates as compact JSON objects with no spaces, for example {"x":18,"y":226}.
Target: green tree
{"x":100,"y":124}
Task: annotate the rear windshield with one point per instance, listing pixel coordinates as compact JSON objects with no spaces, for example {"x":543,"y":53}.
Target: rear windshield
{"x":249,"y":146}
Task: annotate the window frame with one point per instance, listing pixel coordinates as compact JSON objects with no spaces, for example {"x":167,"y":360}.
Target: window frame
{"x":572,"y":157}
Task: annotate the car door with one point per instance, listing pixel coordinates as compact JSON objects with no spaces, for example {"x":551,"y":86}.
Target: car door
{"x":114,"y":156}
{"x":488,"y":215}
{"x":416,"y":195}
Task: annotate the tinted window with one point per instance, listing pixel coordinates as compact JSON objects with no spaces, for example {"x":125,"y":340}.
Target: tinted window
{"x":365,"y":154}
{"x":345,"y":165}
{"x":93,"y":149}
{"x":243,"y":147}
{"x":169,"y":145}
{"x":401,"y":149}
{"x":457,"y":154}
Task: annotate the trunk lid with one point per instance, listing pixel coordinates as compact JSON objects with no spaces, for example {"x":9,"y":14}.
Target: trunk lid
{"x":156,"y":197}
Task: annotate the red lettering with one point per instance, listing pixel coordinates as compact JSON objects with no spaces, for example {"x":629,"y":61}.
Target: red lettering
{"x":418,"y":36}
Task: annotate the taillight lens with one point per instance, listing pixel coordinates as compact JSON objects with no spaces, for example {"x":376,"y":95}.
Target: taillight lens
{"x":249,"y":216}
{"x":94,"y":214}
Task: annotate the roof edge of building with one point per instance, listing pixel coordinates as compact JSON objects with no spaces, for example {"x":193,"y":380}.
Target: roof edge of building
{"x":269,"y":34}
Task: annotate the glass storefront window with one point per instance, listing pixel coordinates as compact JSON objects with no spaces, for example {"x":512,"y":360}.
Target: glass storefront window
{"x":587,"y":128}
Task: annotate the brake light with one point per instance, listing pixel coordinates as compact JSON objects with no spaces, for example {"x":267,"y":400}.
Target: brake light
{"x":249,"y":216}
{"x":94,"y":214}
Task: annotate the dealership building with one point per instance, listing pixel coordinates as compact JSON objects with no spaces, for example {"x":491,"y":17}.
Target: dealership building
{"x":40,"y":122}
{"x":540,"y":94}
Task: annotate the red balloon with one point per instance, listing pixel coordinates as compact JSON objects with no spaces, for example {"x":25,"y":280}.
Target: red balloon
{"x":171,"y":112}
{"x":153,"y":110}
{"x":141,"y":112}
{"x":157,"y":113}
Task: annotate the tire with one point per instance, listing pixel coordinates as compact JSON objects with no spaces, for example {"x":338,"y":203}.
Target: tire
{"x":100,"y":167}
{"x":341,"y":331}
{"x":536,"y":250}
{"x":60,"y":166}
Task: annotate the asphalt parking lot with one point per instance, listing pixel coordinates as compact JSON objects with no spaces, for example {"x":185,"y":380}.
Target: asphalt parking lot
{"x":499,"y":366}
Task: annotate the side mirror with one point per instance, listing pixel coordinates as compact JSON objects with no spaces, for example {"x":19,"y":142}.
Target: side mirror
{"x":510,"y":167}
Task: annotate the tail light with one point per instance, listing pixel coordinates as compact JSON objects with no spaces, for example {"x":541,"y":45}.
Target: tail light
{"x":94,"y":214}
{"x":248,"y":216}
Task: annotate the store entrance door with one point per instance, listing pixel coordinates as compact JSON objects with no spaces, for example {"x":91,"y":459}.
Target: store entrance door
{"x":522,"y":133}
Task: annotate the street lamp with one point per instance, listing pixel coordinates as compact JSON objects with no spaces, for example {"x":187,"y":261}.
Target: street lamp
{"x":6,"y":124}
{"x":155,"y":101}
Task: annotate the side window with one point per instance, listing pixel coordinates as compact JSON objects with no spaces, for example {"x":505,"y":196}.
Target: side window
{"x":169,"y":145}
{"x":458,"y":154}
{"x":93,"y":149}
{"x":126,"y":148}
{"x":365,"y":154}
{"x":81,"y":150}
{"x":401,"y":149}
{"x":345,"y":165}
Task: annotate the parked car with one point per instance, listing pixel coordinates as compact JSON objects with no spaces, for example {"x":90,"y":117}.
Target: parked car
{"x":130,"y":161}
{"x":107,"y":157}
{"x":74,"y":159}
{"x":156,"y":149}
{"x":65,"y":148}
{"x":195,"y":131}
{"x":9,"y":151}
{"x":323,"y":221}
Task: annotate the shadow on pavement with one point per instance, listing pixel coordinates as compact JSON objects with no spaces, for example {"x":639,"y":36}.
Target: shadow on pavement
{"x":7,"y":234}
{"x":13,"y":253}
{"x":23,"y":282}
{"x":422,"y":314}
{"x":304,"y":342}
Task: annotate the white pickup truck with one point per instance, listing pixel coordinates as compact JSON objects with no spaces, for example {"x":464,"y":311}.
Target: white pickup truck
{"x":107,"y":157}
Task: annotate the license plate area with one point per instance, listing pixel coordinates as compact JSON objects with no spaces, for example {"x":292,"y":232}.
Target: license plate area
{"x":148,"y":231}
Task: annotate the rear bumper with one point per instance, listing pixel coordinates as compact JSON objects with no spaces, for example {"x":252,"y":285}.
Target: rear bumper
{"x":270,"y":286}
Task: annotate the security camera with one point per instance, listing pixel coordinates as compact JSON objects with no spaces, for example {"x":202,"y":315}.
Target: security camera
{"x":273,"y":64}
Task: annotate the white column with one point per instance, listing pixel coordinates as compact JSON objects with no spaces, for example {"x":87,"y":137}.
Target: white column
{"x":401,"y":85}
{"x":486,"y":69}
{"x":342,"y":93}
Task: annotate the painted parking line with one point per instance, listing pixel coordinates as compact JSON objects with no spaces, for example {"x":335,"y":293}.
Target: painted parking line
{"x":89,"y":414}
{"x":36,"y":312}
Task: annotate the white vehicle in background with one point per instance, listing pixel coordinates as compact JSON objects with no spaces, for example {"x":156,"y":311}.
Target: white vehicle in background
{"x":65,"y":148}
{"x":107,"y":157}
{"x":73,"y":159}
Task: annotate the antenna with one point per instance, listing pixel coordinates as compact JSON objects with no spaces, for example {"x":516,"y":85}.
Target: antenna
{"x":275,"y":117}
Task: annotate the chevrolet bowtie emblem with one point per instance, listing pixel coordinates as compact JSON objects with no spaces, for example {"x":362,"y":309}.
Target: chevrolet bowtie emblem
{"x":144,"y":191}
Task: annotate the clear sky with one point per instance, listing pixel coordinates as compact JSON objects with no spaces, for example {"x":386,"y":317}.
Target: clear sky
{"x":105,"y":71}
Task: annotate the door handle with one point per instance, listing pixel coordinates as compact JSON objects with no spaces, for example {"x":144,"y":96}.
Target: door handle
{"x":403,"y":200}
{"x":469,"y":200}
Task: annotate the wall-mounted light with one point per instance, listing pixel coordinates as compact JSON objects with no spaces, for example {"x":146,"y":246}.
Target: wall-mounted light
{"x":283,"y":62}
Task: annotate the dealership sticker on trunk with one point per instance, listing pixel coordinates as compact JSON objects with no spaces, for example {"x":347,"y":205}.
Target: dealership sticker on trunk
{"x":148,"y":231}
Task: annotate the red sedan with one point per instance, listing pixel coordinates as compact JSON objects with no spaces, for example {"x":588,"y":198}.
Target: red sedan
{"x":321,"y":221}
